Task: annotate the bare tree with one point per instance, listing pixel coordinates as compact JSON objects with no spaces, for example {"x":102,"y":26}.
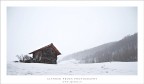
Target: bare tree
{"x":24,"y":58}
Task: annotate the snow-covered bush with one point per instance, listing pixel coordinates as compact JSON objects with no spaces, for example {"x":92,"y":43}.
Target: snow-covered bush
{"x":24,"y":58}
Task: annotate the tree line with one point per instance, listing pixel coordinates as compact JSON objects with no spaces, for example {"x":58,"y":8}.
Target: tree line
{"x":124,"y":50}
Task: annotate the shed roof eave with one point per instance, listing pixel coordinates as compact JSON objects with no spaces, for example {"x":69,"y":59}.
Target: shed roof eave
{"x":51,"y":45}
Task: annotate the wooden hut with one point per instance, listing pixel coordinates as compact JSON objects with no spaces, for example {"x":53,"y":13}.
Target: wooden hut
{"x":47,"y":54}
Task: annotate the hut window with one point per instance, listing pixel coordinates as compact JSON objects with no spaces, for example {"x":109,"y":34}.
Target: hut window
{"x":52,"y":51}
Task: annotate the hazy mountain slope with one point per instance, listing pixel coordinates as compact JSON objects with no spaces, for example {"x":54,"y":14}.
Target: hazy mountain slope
{"x":122,"y":50}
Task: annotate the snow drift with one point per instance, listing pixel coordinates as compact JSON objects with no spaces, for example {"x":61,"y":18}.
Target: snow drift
{"x":72,"y":68}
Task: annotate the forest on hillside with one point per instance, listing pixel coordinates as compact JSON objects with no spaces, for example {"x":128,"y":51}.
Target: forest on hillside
{"x":124,"y":50}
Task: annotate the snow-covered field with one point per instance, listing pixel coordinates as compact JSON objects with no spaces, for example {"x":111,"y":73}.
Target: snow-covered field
{"x":72,"y":68}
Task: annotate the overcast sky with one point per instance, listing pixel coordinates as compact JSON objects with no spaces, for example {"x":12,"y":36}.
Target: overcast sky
{"x":70,"y":29}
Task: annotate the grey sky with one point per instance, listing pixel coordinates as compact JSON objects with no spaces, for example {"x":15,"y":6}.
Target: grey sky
{"x":71,"y":29}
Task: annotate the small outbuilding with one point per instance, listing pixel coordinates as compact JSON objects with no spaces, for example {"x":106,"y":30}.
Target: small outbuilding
{"x":47,"y":54}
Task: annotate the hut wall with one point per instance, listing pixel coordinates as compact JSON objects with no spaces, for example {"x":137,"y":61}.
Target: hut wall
{"x":46,"y":55}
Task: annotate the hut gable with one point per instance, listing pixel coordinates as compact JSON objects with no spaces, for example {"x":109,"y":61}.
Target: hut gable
{"x":47,"y":54}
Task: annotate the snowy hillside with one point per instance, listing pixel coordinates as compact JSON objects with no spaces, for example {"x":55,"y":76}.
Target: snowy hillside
{"x":124,"y":50}
{"x":71,"y":67}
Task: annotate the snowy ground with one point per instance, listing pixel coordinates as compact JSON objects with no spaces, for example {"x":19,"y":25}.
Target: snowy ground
{"x":72,"y":68}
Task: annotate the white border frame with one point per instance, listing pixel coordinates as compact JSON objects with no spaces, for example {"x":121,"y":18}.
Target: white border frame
{"x":101,"y":79}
